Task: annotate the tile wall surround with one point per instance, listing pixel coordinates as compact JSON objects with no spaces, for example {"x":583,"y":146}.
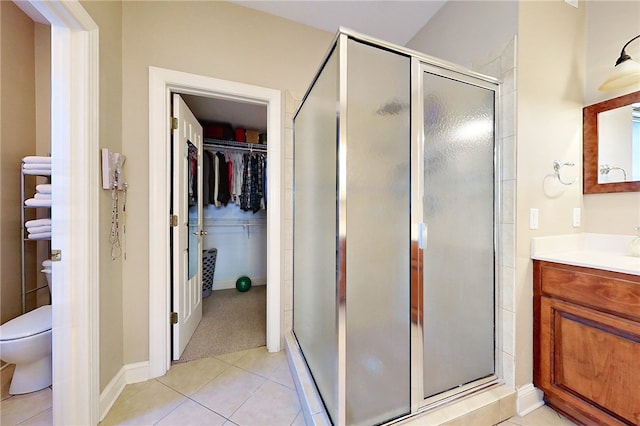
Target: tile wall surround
{"x":290,"y":106}
{"x":501,"y":63}
{"x":498,"y":403}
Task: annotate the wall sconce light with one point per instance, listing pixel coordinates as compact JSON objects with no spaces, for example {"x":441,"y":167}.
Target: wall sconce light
{"x":625,"y":73}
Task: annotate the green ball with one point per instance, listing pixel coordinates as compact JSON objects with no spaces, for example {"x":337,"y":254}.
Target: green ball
{"x":243,"y":283}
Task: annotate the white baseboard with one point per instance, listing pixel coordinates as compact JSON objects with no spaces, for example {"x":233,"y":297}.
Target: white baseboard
{"x":528,"y":399}
{"x":130,"y":373}
{"x":227,"y":284}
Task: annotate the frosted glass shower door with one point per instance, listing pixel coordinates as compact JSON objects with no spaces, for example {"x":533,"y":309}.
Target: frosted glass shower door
{"x":315,"y":223}
{"x":458,"y":236}
{"x":378,"y":165}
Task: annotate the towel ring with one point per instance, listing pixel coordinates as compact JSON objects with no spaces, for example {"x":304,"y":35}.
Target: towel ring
{"x":557,"y":165}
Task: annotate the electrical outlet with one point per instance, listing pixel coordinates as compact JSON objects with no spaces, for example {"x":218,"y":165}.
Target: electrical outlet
{"x":534,"y":216}
{"x":576,"y":217}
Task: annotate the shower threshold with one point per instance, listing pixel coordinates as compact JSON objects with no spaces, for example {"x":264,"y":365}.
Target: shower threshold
{"x":496,"y":401}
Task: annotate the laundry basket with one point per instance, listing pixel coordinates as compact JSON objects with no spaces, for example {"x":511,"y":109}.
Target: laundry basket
{"x":208,"y":268}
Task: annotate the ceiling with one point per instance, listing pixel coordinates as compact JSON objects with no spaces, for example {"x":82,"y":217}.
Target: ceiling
{"x":236,"y":113}
{"x":395,"y":21}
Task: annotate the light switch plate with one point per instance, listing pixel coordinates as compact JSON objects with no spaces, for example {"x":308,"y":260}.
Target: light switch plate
{"x":577,"y":219}
{"x":534,"y":216}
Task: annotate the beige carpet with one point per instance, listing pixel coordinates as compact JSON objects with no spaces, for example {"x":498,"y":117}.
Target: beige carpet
{"x":231,"y":321}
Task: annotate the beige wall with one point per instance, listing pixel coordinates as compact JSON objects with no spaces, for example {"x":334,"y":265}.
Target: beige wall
{"x":216,"y":39}
{"x":551,"y":46}
{"x":17,"y":139}
{"x":108,"y":16}
{"x":610,"y":213}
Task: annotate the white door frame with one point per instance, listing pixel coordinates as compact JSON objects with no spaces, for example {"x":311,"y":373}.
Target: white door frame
{"x":74,"y":152}
{"x":161,"y":83}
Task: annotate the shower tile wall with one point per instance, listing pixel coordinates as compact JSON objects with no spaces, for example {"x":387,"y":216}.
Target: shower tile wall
{"x":291,"y":104}
{"x":501,"y":63}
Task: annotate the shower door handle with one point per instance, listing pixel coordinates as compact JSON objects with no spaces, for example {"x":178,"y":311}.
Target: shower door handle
{"x":422,"y":236}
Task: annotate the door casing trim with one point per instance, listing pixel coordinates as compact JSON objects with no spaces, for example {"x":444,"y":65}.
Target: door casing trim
{"x":74,"y":152}
{"x":161,"y":83}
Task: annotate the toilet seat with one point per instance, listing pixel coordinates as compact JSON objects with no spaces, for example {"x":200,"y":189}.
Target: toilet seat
{"x":26,"y":325}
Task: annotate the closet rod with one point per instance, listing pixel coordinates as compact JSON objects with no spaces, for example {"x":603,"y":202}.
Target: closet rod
{"x":209,"y":223}
{"x":241,"y":146}
{"x":213,"y":225}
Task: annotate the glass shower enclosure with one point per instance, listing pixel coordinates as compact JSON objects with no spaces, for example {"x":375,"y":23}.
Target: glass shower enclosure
{"x":394,"y":231}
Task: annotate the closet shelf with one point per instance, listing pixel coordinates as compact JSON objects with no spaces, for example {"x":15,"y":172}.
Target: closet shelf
{"x":221,"y":143}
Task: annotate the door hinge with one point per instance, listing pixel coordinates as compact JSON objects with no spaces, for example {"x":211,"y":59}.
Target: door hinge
{"x":56,"y":255}
{"x":174,"y":123}
{"x":173,"y":220}
{"x":174,"y":317}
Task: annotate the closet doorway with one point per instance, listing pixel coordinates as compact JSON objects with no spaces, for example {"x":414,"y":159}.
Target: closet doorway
{"x":219,"y":236}
{"x":162,"y":83}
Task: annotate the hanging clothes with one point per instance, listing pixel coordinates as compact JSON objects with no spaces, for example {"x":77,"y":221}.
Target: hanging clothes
{"x":264,"y":182}
{"x":239,"y":178}
{"x":224,"y":194}
{"x":207,"y":165}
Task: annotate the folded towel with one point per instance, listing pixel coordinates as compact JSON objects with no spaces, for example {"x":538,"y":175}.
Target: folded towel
{"x":41,"y":172}
{"x":34,"y":166}
{"x":39,"y":196}
{"x":44,"y":188}
{"x":46,"y":271}
{"x":40,"y":236}
{"x":46,"y":264}
{"x":38,"y":229}
{"x":32,"y":202}
{"x":38,"y":222}
{"x":36,"y":159}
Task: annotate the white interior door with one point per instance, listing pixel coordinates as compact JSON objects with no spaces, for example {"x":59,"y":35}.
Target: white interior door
{"x":187,"y":232}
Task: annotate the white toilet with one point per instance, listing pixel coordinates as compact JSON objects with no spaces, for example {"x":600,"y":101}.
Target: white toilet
{"x":26,"y":342}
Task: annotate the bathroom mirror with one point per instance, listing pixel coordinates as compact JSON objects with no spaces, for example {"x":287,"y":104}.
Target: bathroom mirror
{"x":611,"y":145}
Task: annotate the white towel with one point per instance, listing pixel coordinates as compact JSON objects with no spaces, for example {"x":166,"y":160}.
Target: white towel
{"x":40,"y":196}
{"x":40,"y":172}
{"x":32,"y":202}
{"x":40,"y":236}
{"x":44,"y":188}
{"x":46,"y":263}
{"x":36,"y":159}
{"x":38,"y":222}
{"x":38,"y":229}
{"x":35,"y":166}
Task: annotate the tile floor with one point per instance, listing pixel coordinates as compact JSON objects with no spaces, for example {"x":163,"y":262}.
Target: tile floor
{"x":251,"y":387}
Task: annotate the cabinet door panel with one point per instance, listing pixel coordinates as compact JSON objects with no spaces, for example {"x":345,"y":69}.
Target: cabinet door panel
{"x":593,"y":361}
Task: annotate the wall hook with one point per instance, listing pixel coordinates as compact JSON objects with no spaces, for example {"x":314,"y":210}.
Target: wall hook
{"x":557,"y":165}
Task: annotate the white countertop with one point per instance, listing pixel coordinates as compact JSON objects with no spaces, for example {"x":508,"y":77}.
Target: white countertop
{"x":599,"y":251}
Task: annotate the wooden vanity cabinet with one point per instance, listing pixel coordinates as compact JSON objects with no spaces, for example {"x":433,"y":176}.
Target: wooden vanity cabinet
{"x":587,"y":342}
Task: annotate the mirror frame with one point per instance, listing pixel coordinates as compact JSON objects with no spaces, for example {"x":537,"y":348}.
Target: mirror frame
{"x":590,"y":183}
